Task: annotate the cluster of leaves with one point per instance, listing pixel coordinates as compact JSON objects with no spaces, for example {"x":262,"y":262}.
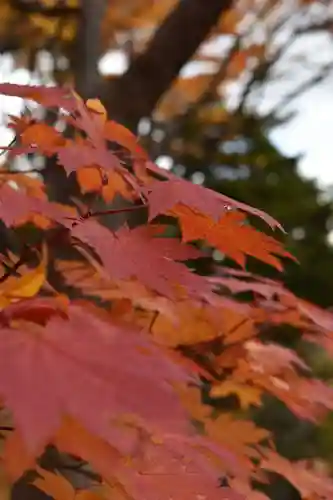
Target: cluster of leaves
{"x":120,"y":384}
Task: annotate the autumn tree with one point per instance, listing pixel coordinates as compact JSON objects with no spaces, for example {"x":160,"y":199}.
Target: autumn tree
{"x":118,"y":382}
{"x":156,"y":45}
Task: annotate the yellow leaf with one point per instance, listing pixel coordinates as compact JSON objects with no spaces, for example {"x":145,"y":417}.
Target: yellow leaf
{"x":97,"y":107}
{"x":246,"y":394}
{"x":25,"y":286}
{"x":192,"y":325}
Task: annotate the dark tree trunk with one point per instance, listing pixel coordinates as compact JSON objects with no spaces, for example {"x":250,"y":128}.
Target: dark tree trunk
{"x":88,"y":48}
{"x":136,"y":94}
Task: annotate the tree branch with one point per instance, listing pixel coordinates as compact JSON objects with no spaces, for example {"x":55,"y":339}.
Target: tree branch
{"x":137,"y":92}
{"x":88,"y":48}
{"x":306,"y":85}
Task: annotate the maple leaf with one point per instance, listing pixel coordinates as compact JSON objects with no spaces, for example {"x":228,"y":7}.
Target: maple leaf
{"x":151,"y":458}
{"x":230,"y":235}
{"x":137,"y":253}
{"x":237,"y":325}
{"x":154,"y":458}
{"x":36,"y":310}
{"x":307,"y":482}
{"x":94,"y":281}
{"x":237,"y":436}
{"x":16,"y":207}
{"x":77,"y":155}
{"x":90,"y":180}
{"x":305,"y":397}
{"x":87,"y":120}
{"x":191,"y":324}
{"x":32,"y":186}
{"x":25,"y":286}
{"x":116,"y":132}
{"x":246,"y":394}
{"x":42,"y":136}
{"x":94,"y":355}
{"x":71,"y":438}
{"x":163,"y":196}
{"x":320,"y":317}
{"x":51,"y":97}
{"x":238,"y":281}
{"x":273,"y":359}
{"x":97,"y":107}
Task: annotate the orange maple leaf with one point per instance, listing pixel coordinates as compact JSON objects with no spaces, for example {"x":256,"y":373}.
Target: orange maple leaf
{"x":230,"y":234}
{"x":43,"y":136}
{"x":248,"y":395}
{"x":109,"y":184}
{"x":193,"y":324}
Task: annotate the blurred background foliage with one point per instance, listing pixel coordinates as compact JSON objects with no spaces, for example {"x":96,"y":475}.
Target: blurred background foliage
{"x":203,"y":83}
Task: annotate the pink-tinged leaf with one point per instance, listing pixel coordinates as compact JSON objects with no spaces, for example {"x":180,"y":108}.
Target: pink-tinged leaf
{"x":320,"y":317}
{"x":38,"y":310}
{"x":75,"y":156}
{"x":136,"y":253}
{"x":314,"y":392}
{"x":273,"y":359}
{"x":37,"y":137}
{"x":310,"y":483}
{"x":19,"y":150}
{"x":238,"y":281}
{"x":163,"y":196}
{"x":177,"y":470}
{"x":51,"y":97}
{"x":87,"y":121}
{"x":16,"y":205}
{"x":175,"y":462}
{"x":178,"y":487}
{"x":89,"y":369}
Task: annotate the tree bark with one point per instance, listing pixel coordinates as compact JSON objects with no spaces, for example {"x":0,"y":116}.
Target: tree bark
{"x":136,"y":93}
{"x":88,"y":48}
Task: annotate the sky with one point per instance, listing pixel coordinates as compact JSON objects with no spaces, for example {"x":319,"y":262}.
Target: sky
{"x":309,"y":134}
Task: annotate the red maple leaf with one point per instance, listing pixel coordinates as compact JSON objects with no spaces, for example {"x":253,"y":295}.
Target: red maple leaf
{"x":163,"y":196}
{"x":137,"y":253}
{"x":231,"y":234}
{"x":77,"y":155}
{"x":51,"y":97}
{"x":88,"y":369}
{"x":16,"y":205}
